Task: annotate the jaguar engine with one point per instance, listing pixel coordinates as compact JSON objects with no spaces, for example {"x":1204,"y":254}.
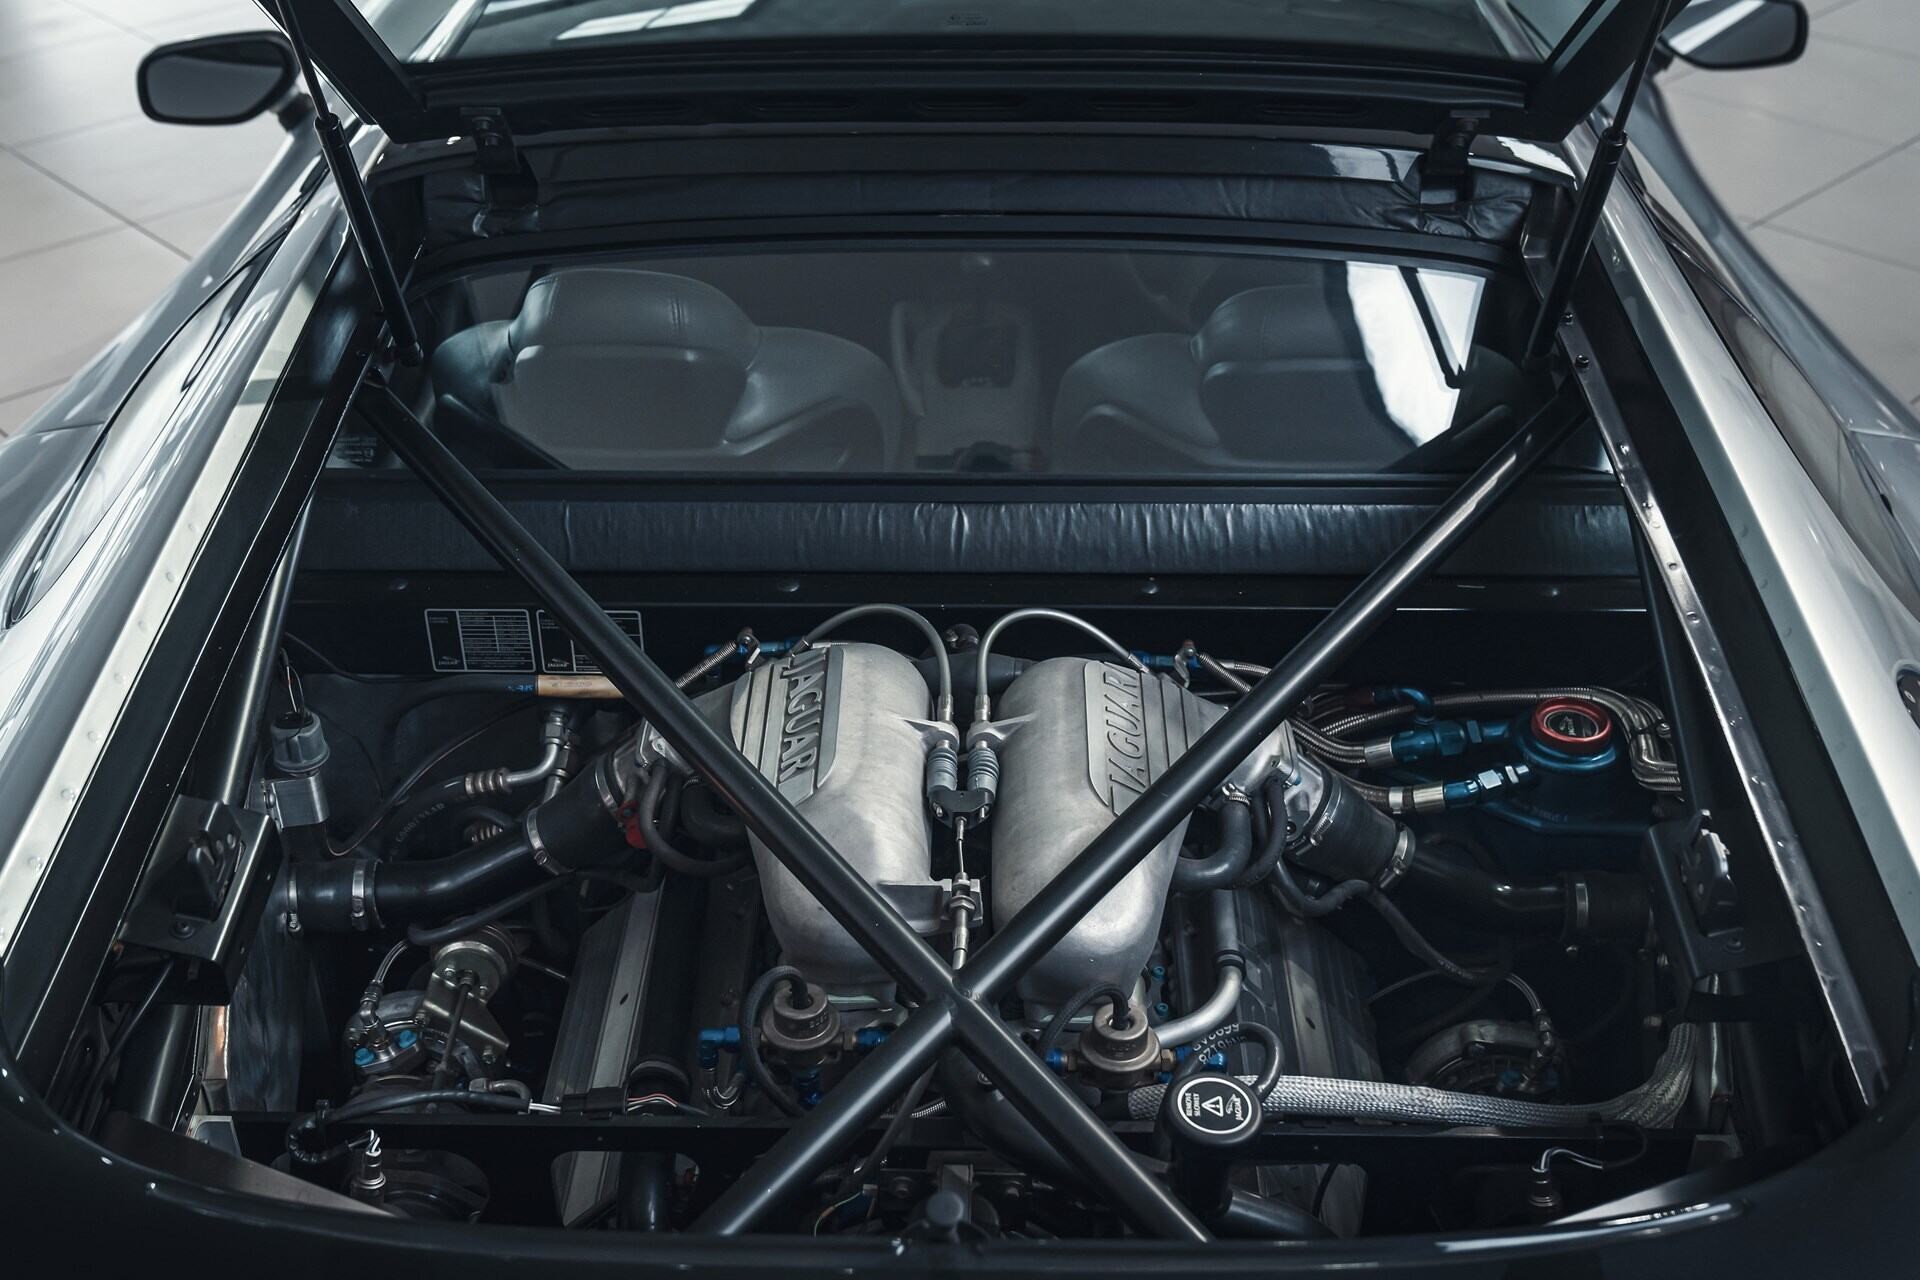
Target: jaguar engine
{"x":1386,"y":912}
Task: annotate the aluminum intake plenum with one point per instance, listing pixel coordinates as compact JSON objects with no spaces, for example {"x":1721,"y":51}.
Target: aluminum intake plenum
{"x":842,"y":731}
{"x":1079,"y":741}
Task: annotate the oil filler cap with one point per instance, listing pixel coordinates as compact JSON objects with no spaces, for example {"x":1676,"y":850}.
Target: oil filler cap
{"x":1211,"y":1111}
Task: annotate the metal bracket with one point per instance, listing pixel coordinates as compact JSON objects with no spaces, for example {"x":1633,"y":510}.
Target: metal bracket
{"x":493,"y":149}
{"x":1446,"y":171}
{"x":298,"y":801}
{"x":204,"y":887}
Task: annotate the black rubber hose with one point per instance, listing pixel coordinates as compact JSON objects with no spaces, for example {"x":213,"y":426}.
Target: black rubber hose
{"x":441,"y":885}
{"x":1267,"y":866}
{"x":425,"y":803}
{"x":902,"y":1116}
{"x":1273,"y":842}
{"x":750,"y":1036}
{"x":323,"y":892}
{"x":1234,"y":1033}
{"x":1416,"y":942}
{"x":573,"y":830}
{"x":129,"y":1023}
{"x":384,"y":810}
{"x":1232,"y":852}
{"x":1248,"y":1216}
{"x":1614,"y":905}
{"x":1057,"y":1025}
{"x":421,"y":936}
{"x":707,"y":821}
{"x":1305,"y":906}
{"x":645,"y":817}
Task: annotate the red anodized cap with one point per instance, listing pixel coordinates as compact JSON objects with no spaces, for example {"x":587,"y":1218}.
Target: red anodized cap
{"x":1572,"y":725}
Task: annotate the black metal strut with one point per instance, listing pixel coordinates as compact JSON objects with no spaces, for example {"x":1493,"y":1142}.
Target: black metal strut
{"x":1592,"y":196}
{"x":956,"y":1009}
{"x":355,"y":201}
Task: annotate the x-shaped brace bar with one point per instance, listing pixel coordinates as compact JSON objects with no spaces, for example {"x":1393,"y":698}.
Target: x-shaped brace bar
{"x":957,"y":1009}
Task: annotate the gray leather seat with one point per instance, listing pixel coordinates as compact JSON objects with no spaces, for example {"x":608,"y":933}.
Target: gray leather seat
{"x":1277,"y":377}
{"x":608,"y":368}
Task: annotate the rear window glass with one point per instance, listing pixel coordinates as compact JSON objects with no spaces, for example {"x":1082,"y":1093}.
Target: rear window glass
{"x":1061,"y":363}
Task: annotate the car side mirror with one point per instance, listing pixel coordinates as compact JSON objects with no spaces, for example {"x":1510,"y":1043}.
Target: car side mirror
{"x":1736,"y":35}
{"x":217,"y":79}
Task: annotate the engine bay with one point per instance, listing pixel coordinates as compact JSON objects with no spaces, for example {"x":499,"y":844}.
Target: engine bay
{"x":1430,"y":957}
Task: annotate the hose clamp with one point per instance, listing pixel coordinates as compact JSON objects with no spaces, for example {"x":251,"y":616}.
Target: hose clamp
{"x":1397,"y":864}
{"x":541,"y":857}
{"x":291,"y":917}
{"x":603,"y":786}
{"x":360,"y":905}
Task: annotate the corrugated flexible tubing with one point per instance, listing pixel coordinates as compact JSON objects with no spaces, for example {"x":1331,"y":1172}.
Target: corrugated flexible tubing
{"x":1652,"y":1105}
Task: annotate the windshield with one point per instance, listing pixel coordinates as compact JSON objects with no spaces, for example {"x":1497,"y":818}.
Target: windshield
{"x":490,"y":28}
{"x":1092,"y":362}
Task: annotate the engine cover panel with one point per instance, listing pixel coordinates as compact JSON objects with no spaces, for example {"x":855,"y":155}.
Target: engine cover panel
{"x":841,"y":730}
{"x":1082,"y":740}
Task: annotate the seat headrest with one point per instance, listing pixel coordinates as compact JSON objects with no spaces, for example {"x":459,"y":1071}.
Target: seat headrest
{"x":611,"y":306}
{"x":1276,"y":322}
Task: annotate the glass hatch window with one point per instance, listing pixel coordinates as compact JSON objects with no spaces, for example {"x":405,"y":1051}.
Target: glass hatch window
{"x":1009,"y":361}
{"x":492,"y":28}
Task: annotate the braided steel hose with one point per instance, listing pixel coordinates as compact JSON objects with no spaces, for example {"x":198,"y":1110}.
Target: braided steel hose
{"x":1641,"y":720}
{"x":1652,"y":1105}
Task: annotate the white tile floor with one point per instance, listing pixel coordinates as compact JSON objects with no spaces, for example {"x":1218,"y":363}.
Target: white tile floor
{"x":1821,"y":161}
{"x":99,"y":207}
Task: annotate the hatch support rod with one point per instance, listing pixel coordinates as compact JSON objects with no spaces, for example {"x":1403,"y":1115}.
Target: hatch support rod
{"x":354,"y":199}
{"x":1592,"y":196}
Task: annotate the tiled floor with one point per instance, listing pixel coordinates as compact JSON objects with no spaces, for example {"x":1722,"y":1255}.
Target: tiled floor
{"x":1821,"y":162}
{"x":99,"y":207}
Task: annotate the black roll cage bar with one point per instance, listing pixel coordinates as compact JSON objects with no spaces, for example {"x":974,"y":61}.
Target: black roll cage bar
{"x":957,"y":1009}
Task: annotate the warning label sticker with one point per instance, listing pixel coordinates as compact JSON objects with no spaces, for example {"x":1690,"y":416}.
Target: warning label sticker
{"x":1216,"y":1105}
{"x":480,"y":639}
{"x":560,"y":655}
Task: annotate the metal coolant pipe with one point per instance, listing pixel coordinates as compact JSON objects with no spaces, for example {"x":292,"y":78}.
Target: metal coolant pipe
{"x":1221,"y":1007}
